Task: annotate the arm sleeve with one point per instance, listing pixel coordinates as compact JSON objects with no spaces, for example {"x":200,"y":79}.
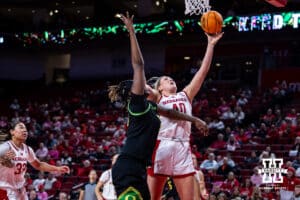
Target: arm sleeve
{"x":138,"y":105}
{"x":3,"y":149}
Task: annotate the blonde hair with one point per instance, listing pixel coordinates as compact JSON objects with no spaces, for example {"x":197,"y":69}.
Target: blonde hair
{"x":157,"y":83}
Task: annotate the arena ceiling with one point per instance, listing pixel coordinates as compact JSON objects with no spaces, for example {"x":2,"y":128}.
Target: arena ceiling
{"x":27,"y":15}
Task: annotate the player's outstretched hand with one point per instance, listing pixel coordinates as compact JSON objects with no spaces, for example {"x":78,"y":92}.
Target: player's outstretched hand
{"x":201,"y":125}
{"x":127,"y":20}
{"x":63,"y":169}
{"x":213,"y":39}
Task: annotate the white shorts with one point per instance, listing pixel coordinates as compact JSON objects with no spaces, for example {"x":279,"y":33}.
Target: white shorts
{"x":172,"y":158}
{"x":17,"y":194}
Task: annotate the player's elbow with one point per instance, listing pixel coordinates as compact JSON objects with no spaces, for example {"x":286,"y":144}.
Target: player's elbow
{"x":36,"y":165}
{"x":138,"y":65}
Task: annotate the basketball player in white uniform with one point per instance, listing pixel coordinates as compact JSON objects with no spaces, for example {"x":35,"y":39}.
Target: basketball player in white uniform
{"x":14,"y":157}
{"x":172,"y":156}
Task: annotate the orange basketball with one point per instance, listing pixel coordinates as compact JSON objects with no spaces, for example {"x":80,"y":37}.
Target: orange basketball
{"x":211,"y":22}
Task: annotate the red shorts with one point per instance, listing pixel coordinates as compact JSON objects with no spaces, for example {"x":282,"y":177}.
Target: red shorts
{"x":3,"y":195}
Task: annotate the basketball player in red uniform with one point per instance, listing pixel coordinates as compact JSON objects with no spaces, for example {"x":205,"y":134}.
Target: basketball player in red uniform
{"x":14,"y":156}
{"x":173,"y":156}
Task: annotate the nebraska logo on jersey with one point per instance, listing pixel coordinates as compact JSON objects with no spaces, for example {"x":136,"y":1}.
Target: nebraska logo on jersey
{"x":173,"y":100}
{"x":19,"y":159}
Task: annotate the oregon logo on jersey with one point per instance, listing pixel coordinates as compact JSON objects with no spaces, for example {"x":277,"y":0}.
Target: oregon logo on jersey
{"x":130,"y":194}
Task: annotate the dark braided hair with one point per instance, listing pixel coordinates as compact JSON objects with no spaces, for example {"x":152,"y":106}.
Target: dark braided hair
{"x":121,"y":92}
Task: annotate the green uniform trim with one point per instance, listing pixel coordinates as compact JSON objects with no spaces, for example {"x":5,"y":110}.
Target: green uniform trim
{"x":130,"y":194}
{"x":140,"y":113}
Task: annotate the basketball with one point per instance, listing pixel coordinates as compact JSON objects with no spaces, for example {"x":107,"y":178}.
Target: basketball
{"x":211,"y":22}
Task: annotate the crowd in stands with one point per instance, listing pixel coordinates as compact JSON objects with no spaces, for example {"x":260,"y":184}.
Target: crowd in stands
{"x":84,"y":130}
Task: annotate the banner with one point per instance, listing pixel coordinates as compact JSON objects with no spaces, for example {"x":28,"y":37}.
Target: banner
{"x":288,"y":76}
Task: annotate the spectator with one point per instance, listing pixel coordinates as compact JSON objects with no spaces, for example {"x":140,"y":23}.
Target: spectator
{"x":216,"y":190}
{"x":33,"y":195}
{"x":292,"y":117}
{"x":62,"y":196}
{"x":242,"y":137}
{"x":54,"y":153}
{"x":47,"y":125}
{"x":232,"y":143}
{"x":296,"y":146}
{"x":91,"y":129}
{"x":49,"y":181}
{"x":42,"y":152}
{"x":232,"y":102}
{"x":219,"y":144}
{"x":39,"y":181}
{"x":105,"y":181}
{"x":111,"y":128}
{"x":256,"y":178}
{"x":247,"y":93}
{"x":253,"y":159}
{"x":229,"y":160}
{"x":296,"y":162}
{"x":66,"y":159}
{"x":212,"y":197}
{"x":289,"y":183}
{"x":242,"y":101}
{"x":235,"y":193}
{"x":120,"y":132}
{"x":267,"y":154}
{"x":85,"y":169}
{"x":210,"y":164}
{"x":261,"y":133}
{"x":225,"y":168}
{"x":222,"y":196}
{"x":196,"y":152}
{"x":269,"y":117}
{"x":227,"y":115}
{"x":223,"y":107}
{"x":66,"y":123}
{"x":15,"y":106}
{"x":246,"y":189}
{"x":273,"y":133}
{"x":278,"y":118}
{"x":42,"y":194}
{"x":3,"y":122}
{"x":28,"y":180}
{"x":88,"y":190}
{"x":256,"y":194}
{"x":216,"y":124}
{"x":239,"y":115}
{"x":51,"y":142}
{"x":230,"y":183}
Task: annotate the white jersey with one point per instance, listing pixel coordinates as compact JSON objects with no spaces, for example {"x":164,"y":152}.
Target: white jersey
{"x":13,"y":178}
{"x":109,"y":192}
{"x":174,"y":129}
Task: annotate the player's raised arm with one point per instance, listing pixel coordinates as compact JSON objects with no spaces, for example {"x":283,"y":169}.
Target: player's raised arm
{"x":137,"y":60}
{"x":194,"y":86}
